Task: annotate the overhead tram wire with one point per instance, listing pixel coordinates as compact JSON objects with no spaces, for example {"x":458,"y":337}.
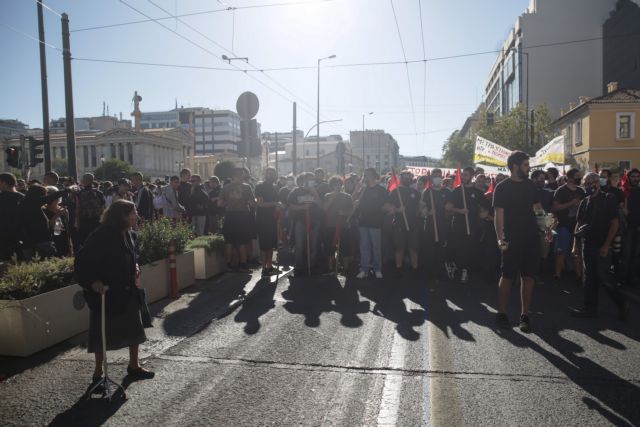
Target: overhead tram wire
{"x":424,"y":55}
{"x":413,"y":115}
{"x":55,"y":12}
{"x":204,"y":12}
{"x":310,"y":111}
{"x":35,"y":39}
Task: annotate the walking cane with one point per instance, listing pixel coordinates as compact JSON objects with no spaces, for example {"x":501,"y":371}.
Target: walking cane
{"x":338,"y":238}
{"x":105,"y":381}
{"x":278,"y":247}
{"x":308,"y":227}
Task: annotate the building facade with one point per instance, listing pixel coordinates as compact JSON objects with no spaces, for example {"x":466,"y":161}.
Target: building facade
{"x":603,"y":130}
{"x":377,"y":148}
{"x":10,"y":128}
{"x":99,"y":123}
{"x":534,"y":69}
{"x":418,"y":162}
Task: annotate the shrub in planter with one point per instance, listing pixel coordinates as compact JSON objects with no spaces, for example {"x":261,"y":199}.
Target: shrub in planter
{"x":208,"y":255}
{"x":20,"y":281}
{"x":210,"y":242}
{"x":154,"y":238}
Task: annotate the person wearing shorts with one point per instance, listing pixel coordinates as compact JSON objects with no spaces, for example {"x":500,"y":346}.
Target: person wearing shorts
{"x":516,"y":205}
{"x":237,"y":198}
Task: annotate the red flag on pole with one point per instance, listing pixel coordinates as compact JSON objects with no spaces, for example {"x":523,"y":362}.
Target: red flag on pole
{"x":489,"y":194}
{"x":394,"y":182}
{"x":625,"y":184}
{"x":457,"y":182}
{"x":428,"y":186}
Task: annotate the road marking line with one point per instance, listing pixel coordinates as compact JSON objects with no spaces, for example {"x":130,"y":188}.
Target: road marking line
{"x":390,"y":403}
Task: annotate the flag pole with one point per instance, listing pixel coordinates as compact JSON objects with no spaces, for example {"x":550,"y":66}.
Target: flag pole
{"x":435,"y":222}
{"x":464,"y":202}
{"x":308,"y":227}
{"x":404,"y":214}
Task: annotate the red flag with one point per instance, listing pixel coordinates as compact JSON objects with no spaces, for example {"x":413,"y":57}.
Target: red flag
{"x":458,"y":181}
{"x":428,"y":186}
{"x":489,"y":194}
{"x":625,"y":184}
{"x":394,"y":182}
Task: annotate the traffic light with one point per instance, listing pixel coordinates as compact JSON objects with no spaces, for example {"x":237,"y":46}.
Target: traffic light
{"x":13,"y":156}
{"x":489,"y":119}
{"x":34,"y":151}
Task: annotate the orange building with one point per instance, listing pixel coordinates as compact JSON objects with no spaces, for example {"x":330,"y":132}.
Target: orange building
{"x":603,"y":130}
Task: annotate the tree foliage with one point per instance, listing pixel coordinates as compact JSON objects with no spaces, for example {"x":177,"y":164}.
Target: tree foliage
{"x":113,"y":170}
{"x":457,"y":151}
{"x":224,"y":170}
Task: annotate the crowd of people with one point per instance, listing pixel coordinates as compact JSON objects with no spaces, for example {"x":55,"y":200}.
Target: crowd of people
{"x":539,"y":226}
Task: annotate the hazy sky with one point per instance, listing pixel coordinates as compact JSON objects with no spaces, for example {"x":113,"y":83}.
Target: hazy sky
{"x":356,"y":31}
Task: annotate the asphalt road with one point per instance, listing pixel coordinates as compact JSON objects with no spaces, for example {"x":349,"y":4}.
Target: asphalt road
{"x":329,"y":351}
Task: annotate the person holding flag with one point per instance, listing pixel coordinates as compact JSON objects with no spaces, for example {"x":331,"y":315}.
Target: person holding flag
{"x":465,"y":203}
{"x":337,"y":206}
{"x":370,"y":213}
{"x":404,"y":204}
{"x":434,"y":199}
{"x":306,"y":215}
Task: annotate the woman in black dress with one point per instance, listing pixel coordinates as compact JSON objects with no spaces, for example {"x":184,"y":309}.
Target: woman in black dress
{"x":107,"y":259}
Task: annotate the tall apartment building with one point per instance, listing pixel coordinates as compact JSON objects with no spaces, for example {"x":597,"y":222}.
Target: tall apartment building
{"x":377,"y":148}
{"x":543,"y":60}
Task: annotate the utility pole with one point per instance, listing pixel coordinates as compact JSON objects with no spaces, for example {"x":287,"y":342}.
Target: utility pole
{"x":68,"y":97}
{"x":45,"y":90}
{"x":277,"y":153}
{"x":294,"y":150}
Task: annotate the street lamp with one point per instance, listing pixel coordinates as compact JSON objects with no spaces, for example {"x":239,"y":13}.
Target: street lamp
{"x":363,"y":116}
{"x":304,"y":153}
{"x":318,"y":113}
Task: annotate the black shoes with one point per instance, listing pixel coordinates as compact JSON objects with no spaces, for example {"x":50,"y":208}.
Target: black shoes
{"x":525,"y":324}
{"x":502,"y":321}
{"x":140,"y":373}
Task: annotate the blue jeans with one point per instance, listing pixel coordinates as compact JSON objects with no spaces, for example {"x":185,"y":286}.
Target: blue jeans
{"x":370,"y":249}
{"x":596,"y":274}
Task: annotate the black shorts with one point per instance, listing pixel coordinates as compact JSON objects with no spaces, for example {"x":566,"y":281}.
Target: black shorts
{"x":406,"y":239}
{"x":238,"y":229}
{"x":522,"y":256}
{"x":267,"y":228}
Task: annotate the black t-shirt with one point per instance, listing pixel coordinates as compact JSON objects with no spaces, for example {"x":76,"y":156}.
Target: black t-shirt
{"x":440,"y":198}
{"x":9,"y":202}
{"x":283,"y":195}
{"x":617,"y":193}
{"x":322,"y":188}
{"x":517,"y":200}
{"x":633,"y":205}
{"x":269,"y":194}
{"x":184,"y":191}
{"x":475,"y":201}
{"x":598,"y":212}
{"x":303,"y":196}
{"x":334,"y":203}
{"x":553,"y":186}
{"x":545,"y":197}
{"x":411,"y":200}
{"x":567,"y":217}
{"x":371,"y":207}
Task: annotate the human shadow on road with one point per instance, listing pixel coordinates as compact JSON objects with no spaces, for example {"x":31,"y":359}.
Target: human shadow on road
{"x":388,"y":297}
{"x":254,"y":308}
{"x":210,"y":299}
{"x":324,"y":294}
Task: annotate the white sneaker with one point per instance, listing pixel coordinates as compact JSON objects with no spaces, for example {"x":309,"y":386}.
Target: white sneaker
{"x":378,"y":275}
{"x":361,"y":275}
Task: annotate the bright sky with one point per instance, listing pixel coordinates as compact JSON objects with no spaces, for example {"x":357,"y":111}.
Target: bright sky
{"x":356,"y":31}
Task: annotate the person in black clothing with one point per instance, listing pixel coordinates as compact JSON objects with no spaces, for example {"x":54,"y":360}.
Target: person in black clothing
{"x":631,"y":240}
{"x":552,"y":179}
{"x":214,"y":212}
{"x":607,"y":187}
{"x":597,"y":225}
{"x":322,"y":187}
{"x":267,"y":210}
{"x":462,"y":240}
{"x":545,"y":194}
{"x":338,"y":206}
{"x":34,"y":226}
{"x":142,"y":197}
{"x":197,"y":205}
{"x":90,"y":205}
{"x":184,"y":189}
{"x":9,"y":217}
{"x":306,"y":214}
{"x":107,"y":264}
{"x":435,"y":213}
{"x":58,"y":217}
{"x":404,"y":204}
{"x":516,"y":203}
{"x":369,"y":207}
{"x":566,"y":200}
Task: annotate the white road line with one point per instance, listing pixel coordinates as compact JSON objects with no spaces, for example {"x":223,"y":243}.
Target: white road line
{"x":390,"y":404}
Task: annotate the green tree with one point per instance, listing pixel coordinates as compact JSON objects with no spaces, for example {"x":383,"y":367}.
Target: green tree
{"x":113,"y":170}
{"x":457,"y":150}
{"x":224,"y":170}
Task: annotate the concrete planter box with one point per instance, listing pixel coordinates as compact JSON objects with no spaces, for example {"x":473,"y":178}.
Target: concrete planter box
{"x":185,"y":269}
{"x":154,"y":278}
{"x":208,"y":264}
{"x":33,"y":324}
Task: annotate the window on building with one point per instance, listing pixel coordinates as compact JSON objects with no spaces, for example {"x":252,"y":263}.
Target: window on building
{"x":130,"y":153}
{"x":578,"y":132}
{"x":625,"y":125}
{"x":112,"y":149}
{"x":85,"y":156}
{"x":94,"y":157}
{"x":63,"y":152}
{"x":121,"y":151}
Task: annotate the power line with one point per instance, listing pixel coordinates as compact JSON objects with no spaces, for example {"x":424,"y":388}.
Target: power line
{"x":204,"y":12}
{"x":29,"y":36}
{"x":424,"y":55}
{"x":406,"y":66}
{"x":55,"y":12}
